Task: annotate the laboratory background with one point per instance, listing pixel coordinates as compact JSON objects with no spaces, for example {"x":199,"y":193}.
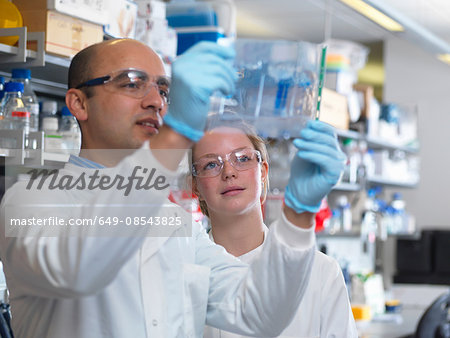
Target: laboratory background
{"x":378,"y":70}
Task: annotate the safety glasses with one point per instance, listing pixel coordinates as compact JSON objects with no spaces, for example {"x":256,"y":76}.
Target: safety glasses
{"x":212,"y":165}
{"x":131,"y":82}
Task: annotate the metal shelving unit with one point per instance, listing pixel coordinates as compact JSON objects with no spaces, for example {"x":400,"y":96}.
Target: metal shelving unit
{"x":343,"y":186}
{"x":49,"y":73}
{"x":391,"y":183}
{"x":376,"y":143}
{"x":29,"y":157}
{"x":380,"y":143}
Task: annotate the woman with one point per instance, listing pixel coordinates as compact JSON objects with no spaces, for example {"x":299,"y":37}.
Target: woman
{"x":230,"y":178}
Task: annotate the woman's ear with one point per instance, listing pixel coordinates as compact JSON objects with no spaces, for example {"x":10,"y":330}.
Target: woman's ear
{"x":195,"y":188}
{"x":264,"y":171}
{"x":76,"y":102}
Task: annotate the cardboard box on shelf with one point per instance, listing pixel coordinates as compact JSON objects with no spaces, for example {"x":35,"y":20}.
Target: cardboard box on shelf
{"x":122,"y":16}
{"x":151,"y":9}
{"x":340,"y":81}
{"x":158,"y":35}
{"x":333,"y":109}
{"x":90,"y":10}
{"x":367,"y":93}
{"x":64,"y":35}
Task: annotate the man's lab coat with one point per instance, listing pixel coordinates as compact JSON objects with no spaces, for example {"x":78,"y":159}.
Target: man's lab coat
{"x":82,"y":283}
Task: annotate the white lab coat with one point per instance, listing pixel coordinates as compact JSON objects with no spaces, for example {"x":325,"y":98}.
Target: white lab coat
{"x":324,"y":311}
{"x":144,"y":284}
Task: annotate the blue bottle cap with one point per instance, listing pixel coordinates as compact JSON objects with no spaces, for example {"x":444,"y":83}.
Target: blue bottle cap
{"x":21,"y":73}
{"x":397,"y":196}
{"x":65,"y":111}
{"x":13,"y":87}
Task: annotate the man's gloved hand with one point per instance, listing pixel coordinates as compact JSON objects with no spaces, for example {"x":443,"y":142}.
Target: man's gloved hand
{"x":316,"y":167}
{"x":200,"y":71}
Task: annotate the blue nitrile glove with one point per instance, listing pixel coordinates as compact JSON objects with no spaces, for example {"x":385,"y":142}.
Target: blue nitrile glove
{"x":316,"y":167}
{"x":200,"y":71}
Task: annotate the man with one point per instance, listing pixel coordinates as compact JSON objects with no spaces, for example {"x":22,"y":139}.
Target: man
{"x":135,"y":281}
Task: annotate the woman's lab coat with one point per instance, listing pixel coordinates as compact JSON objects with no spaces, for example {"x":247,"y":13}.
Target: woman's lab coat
{"x":141,"y":283}
{"x":324,"y":311}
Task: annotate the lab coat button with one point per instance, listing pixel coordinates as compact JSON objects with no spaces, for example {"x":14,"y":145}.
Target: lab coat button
{"x":155,"y":322}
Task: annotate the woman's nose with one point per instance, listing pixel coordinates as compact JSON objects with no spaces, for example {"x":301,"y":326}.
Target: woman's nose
{"x":228,"y":170}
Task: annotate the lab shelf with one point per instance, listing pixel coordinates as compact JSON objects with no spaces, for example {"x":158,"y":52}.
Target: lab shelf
{"x":49,"y":73}
{"x":29,"y":157}
{"x":376,"y":143}
{"x":7,"y":51}
{"x":348,"y":134}
{"x":380,"y":143}
{"x":390,"y":182}
{"x":344,"y":186}
{"x":341,"y":234}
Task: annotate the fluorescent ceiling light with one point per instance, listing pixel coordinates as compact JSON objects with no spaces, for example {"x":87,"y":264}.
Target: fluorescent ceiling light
{"x":374,"y":15}
{"x":444,"y":58}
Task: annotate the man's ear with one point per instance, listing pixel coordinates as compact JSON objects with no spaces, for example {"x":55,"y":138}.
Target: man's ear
{"x":76,"y":102}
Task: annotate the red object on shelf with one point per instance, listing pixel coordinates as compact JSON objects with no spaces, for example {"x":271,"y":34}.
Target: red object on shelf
{"x":323,"y":215}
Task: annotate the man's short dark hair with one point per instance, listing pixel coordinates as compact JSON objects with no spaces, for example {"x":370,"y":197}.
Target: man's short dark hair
{"x":80,"y":68}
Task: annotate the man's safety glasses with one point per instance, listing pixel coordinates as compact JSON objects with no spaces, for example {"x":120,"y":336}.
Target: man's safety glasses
{"x":131,"y":82}
{"x":212,"y":165}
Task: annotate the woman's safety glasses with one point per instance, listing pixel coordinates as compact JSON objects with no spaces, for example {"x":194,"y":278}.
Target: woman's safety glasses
{"x":131,"y":82}
{"x":212,"y":165}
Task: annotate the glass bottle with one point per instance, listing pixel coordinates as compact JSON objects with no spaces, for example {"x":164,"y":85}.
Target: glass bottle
{"x":29,"y":96}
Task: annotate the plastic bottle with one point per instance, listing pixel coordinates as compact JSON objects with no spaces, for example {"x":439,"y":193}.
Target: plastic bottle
{"x":48,"y":109}
{"x":52,"y":138}
{"x":2,"y":93}
{"x":2,"y":88}
{"x":335,"y":221}
{"x":350,"y":148}
{"x":346,"y":213}
{"x":70,"y":132}
{"x":399,"y":215}
{"x":29,"y":96}
{"x":16,"y":114}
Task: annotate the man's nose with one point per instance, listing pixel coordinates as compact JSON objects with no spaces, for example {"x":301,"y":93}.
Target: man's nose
{"x":154,"y":100}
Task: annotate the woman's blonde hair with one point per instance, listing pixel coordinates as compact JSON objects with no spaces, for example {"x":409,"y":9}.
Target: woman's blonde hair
{"x":257,"y":142}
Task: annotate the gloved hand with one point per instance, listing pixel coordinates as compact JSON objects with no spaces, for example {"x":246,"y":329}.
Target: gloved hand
{"x":316,"y":167}
{"x":200,"y":71}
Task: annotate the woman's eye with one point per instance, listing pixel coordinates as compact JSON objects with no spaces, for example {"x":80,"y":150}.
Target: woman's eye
{"x":243,"y":158}
{"x":210,"y":165}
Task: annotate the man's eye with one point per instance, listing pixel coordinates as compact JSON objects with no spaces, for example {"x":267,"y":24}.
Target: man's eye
{"x":131,"y":84}
{"x":164,"y":93}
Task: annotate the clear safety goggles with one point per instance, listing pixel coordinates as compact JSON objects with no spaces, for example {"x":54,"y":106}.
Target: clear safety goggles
{"x":131,"y":82}
{"x":212,"y":165}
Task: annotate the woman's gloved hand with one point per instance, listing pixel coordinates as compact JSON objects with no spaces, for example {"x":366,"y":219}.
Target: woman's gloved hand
{"x":315,"y":168}
{"x":198,"y":73}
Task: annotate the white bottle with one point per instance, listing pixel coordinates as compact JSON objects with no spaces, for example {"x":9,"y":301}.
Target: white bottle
{"x":346,"y":213}
{"x":49,"y":108}
{"x":16,"y":115}
{"x":52,"y":138}
{"x":70,"y":131}
{"x":29,"y":96}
